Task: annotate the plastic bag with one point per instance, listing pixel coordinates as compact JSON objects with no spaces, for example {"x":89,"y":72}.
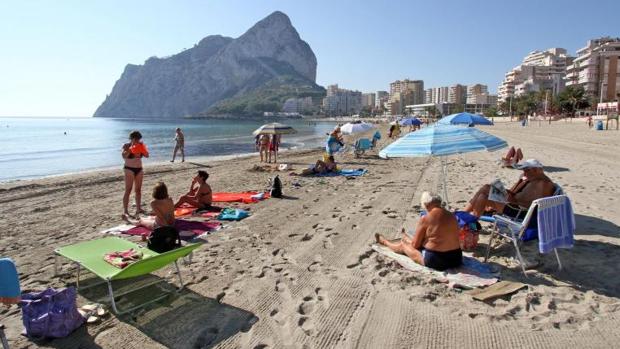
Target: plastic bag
{"x":51,"y":313}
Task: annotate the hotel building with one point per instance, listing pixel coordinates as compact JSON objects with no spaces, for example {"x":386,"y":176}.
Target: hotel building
{"x":596,"y":69}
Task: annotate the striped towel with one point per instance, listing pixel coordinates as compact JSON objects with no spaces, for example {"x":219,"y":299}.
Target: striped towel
{"x":556,"y":223}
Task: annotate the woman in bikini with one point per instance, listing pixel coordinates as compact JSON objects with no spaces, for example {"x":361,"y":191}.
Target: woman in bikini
{"x":162,"y":210}
{"x":132,"y":153}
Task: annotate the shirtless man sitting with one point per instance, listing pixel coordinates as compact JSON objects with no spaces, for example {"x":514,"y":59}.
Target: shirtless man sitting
{"x":436,"y":240}
{"x":200,"y":197}
{"x":534,"y":184}
{"x":163,"y":210}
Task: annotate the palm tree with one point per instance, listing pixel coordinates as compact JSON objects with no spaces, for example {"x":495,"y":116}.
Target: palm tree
{"x":573,"y":99}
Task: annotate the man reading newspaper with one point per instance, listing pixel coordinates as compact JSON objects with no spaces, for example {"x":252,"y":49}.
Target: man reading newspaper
{"x":514,"y":202}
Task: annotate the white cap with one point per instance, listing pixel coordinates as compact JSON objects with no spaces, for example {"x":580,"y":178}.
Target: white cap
{"x":530,"y":163}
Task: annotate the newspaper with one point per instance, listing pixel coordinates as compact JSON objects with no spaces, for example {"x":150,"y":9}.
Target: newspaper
{"x":498,"y":192}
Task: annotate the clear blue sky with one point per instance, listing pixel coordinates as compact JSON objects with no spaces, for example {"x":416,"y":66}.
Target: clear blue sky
{"x":61,"y":58}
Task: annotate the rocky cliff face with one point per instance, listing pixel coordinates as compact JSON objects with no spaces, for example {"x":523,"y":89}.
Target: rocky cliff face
{"x":216,"y":69}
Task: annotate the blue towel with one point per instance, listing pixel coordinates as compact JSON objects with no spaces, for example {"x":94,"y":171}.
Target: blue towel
{"x":232,"y":214}
{"x":9,"y":279}
{"x":556,"y":223}
{"x":344,"y":172}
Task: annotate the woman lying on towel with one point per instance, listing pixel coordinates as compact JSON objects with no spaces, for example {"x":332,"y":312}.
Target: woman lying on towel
{"x":163,"y":210}
{"x":321,"y":167}
{"x":436,"y":240}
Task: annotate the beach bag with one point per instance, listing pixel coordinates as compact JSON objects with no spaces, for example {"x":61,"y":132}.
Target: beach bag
{"x":164,"y":239}
{"x":276,"y":187}
{"x":51,"y":313}
{"x":469,"y":230}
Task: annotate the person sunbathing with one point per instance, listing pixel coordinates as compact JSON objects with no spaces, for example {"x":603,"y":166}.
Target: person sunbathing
{"x":512,"y":157}
{"x":199,"y":195}
{"x":162,"y":210}
{"x":435,"y":243}
{"x":534,"y":184}
{"x":321,"y":167}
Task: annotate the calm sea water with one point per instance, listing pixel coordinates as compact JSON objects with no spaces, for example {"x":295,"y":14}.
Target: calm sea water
{"x":38,"y":147}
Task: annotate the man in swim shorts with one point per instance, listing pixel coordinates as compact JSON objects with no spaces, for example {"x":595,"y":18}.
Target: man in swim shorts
{"x":435,"y":243}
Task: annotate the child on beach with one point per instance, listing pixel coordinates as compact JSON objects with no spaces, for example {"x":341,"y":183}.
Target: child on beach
{"x":132,"y":154}
{"x":201,"y":196}
{"x":163,"y":210}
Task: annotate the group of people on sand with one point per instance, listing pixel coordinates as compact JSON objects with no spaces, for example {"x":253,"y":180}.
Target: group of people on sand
{"x":162,"y":206}
{"x":435,"y":243}
{"x":268,"y":147}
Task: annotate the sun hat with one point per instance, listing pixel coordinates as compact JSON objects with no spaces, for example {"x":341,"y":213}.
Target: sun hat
{"x":530,"y":163}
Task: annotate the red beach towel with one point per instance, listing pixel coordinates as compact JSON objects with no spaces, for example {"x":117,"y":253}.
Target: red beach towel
{"x":247,"y":197}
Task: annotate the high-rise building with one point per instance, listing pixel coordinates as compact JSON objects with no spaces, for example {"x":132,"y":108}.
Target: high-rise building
{"x":473,"y":91}
{"x":380,"y":98}
{"x":539,"y":71}
{"x":596,"y":69}
{"x":368,"y":100}
{"x":341,"y":101}
{"x":298,"y":105}
{"x":437,"y":95}
{"x":457,"y":94}
{"x":415,"y":86}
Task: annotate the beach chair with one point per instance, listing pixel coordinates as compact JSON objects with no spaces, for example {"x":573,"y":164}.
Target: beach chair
{"x":554,"y":212}
{"x":89,"y":255}
{"x":361,"y":146}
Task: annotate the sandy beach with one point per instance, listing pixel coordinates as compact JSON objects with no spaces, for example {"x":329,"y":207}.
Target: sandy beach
{"x":300,"y":272}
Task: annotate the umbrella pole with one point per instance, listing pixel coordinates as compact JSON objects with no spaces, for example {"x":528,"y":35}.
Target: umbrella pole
{"x":444,"y":175}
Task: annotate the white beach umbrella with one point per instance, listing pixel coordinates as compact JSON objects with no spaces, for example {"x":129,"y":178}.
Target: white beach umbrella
{"x":350,"y":128}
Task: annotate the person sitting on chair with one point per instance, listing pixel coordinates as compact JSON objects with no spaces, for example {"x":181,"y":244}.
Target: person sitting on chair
{"x":200,"y":197}
{"x":512,"y":157}
{"x":534,"y":184}
{"x":435,"y":243}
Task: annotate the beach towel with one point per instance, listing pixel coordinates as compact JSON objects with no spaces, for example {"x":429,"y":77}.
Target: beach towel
{"x":184,"y":210}
{"x":121,"y":259}
{"x":245,"y":197}
{"x":233,"y":214}
{"x":344,"y":172}
{"x":119,"y":229}
{"x":556,"y":223}
{"x":472,"y":273}
{"x":187,"y":229}
{"x":9,"y":282}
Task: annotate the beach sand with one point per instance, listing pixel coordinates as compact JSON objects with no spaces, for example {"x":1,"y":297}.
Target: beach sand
{"x":300,"y":272}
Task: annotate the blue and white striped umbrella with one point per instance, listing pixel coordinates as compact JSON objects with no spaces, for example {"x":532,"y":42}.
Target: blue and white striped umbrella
{"x":442,"y":140}
{"x":464,"y":119}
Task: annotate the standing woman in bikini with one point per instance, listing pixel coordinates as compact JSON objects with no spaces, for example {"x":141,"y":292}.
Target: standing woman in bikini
{"x":132,"y":153}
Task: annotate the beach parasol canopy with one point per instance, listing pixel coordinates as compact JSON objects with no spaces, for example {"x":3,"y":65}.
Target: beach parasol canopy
{"x":442,"y":140}
{"x":410,"y":122}
{"x":274,"y":128}
{"x":350,"y":128}
{"x":464,"y":119}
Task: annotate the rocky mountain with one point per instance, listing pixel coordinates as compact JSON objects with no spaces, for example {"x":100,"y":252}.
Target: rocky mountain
{"x":253,"y":73}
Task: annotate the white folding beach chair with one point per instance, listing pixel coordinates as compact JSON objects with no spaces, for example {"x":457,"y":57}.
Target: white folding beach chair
{"x":513,"y":230}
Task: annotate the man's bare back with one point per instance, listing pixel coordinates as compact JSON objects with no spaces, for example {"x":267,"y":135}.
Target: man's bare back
{"x":437,"y":231}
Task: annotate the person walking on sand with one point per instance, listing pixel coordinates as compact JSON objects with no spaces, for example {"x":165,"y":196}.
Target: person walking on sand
{"x":179,"y":140}
{"x":263,"y":147}
{"x":274,"y":145}
{"x":199,"y":194}
{"x":132,"y":154}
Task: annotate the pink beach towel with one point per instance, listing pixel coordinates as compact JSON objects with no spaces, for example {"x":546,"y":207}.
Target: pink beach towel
{"x":195,"y":227}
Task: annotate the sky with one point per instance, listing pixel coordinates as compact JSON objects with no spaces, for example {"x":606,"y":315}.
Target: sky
{"x":61,"y":58}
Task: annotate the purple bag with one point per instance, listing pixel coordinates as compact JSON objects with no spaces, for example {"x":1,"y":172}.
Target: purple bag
{"x":51,"y":313}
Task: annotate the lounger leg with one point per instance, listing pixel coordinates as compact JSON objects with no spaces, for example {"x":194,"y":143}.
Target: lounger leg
{"x":486,"y":256}
{"x":3,"y":340}
{"x":521,"y":261}
{"x":112,"y":297}
{"x":557,"y":256}
{"x":77,"y":282}
{"x":179,"y":275}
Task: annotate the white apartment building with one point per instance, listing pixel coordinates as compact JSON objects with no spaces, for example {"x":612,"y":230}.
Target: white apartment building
{"x":341,"y":101}
{"x":368,"y":100}
{"x":416,"y":87}
{"x":380,"y":98}
{"x":539,"y":71}
{"x":474,"y":91}
{"x":596,"y":69}
{"x":297,"y":105}
{"x":437,"y":95}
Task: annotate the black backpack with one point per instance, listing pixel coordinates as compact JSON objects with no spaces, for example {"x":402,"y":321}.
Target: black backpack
{"x":276,"y":187}
{"x":164,"y":239}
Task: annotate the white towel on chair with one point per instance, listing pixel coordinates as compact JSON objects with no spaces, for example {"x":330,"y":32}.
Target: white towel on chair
{"x":556,"y":223}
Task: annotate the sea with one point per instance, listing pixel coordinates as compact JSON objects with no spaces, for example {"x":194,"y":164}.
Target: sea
{"x":39,"y":147}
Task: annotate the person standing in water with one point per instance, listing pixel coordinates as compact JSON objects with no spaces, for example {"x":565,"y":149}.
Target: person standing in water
{"x":132,"y":154}
{"x":179,"y":140}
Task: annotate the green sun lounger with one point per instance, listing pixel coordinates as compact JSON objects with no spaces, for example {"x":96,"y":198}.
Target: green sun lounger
{"x":89,"y":255}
